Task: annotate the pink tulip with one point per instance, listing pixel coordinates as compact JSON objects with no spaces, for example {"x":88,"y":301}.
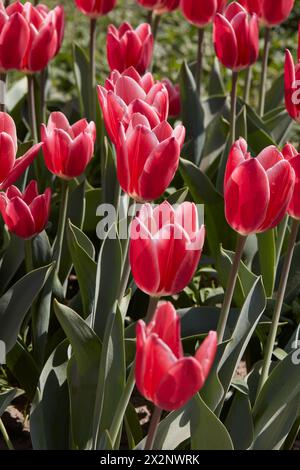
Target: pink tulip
{"x":25,"y":214}
{"x":290,"y":153}
{"x":11,"y":168}
{"x":165,"y":248}
{"x":147,"y":159}
{"x":236,"y":37}
{"x":95,"y":8}
{"x":164,"y":375}
{"x":67,"y":149}
{"x":127,"y":47}
{"x":201,"y":12}
{"x":127,"y":94}
{"x":270,"y":12}
{"x":174,"y":98}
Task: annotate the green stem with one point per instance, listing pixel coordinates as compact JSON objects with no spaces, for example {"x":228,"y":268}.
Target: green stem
{"x":199,"y":64}
{"x":61,"y":224}
{"x":31,"y":104}
{"x":150,"y":17}
{"x":230,"y":287}
{"x":2,"y":91}
{"x":278,"y":305}
{"x":155,"y":25}
{"x":5,"y":436}
{"x":233,"y":106}
{"x":263,"y":80}
{"x":153,"y":428}
{"x":43,"y":79}
{"x":248,"y":80}
{"x":93,"y":33}
{"x":127,"y":392}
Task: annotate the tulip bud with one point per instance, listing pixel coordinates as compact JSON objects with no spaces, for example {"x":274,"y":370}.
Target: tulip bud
{"x":201,"y":12}
{"x":11,"y":168}
{"x":163,"y":374}
{"x":127,"y":47}
{"x":174,"y":98}
{"x":95,"y":8}
{"x":147,"y":159}
{"x":236,"y":37}
{"x":270,"y":12}
{"x":25,"y":214}
{"x":290,"y":153}
{"x":67,"y":149}
{"x":257,"y":191}
{"x":165,"y":248}
{"x":127,"y":94}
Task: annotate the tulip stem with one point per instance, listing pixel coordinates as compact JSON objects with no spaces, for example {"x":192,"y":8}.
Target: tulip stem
{"x":199,"y":65}
{"x":61,"y":224}
{"x":278,"y":305}
{"x":28,"y":255}
{"x":5,"y":436}
{"x":126,"y":268}
{"x":230,"y":287}
{"x":263,"y":80}
{"x":155,"y":419}
{"x":155,"y":25}
{"x":93,"y":31}
{"x":153,"y":301}
{"x":248,"y":80}
{"x":43,"y":79}
{"x":233,"y":106}
{"x":32,"y":111}
{"x":2,"y":91}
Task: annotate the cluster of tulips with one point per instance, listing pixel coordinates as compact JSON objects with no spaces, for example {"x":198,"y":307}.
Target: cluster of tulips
{"x":166,"y":243}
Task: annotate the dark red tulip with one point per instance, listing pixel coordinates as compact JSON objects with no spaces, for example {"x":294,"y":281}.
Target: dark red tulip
{"x":95,"y":8}
{"x":201,"y":12}
{"x":270,"y":12}
{"x":236,"y":37}
{"x":67,"y":149}
{"x":128,"y":47}
{"x":290,"y":153}
{"x":174,"y":98}
{"x":165,"y":248}
{"x":164,"y":375}
{"x":257,"y":191}
{"x":127,"y":94}
{"x":11,"y":168}
{"x":25,"y":214}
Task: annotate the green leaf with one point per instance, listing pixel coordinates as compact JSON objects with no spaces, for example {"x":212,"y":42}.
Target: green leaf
{"x":132,"y":425}
{"x":93,"y":200}
{"x":216,"y":84}
{"x":240,"y":412}
{"x":49,"y":416}
{"x":110,"y":184}
{"x":11,"y":261}
{"x":15,"y":303}
{"x":82,"y":254}
{"x":267,"y":259}
{"x":207,"y":431}
{"x":82,"y":74}
{"x":275,"y":94}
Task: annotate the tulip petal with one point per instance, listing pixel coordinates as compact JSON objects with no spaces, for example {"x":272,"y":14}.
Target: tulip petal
{"x":43,"y":48}
{"x":205,"y":355}
{"x":166,"y":324}
{"x":7,"y":155}
{"x":225,"y":42}
{"x":7,"y":125}
{"x":12,"y":51}
{"x":21,"y":220}
{"x":294,"y":206}
{"x":40,"y":210}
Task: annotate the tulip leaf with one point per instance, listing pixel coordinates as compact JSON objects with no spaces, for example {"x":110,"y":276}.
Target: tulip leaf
{"x":82,"y":373}
{"x":199,"y":184}
{"x":216,"y":84}
{"x":93,"y":199}
{"x":7,"y":397}
{"x":82,"y":253}
{"x":293,"y":284}
{"x":275,"y":95}
{"x":211,"y":436}
{"x":267,"y":259}
{"x":240,"y":412}
{"x":11,"y":261}
{"x":110,"y":184}
{"x":49,"y":417}
{"x":15,"y":303}
{"x":82,"y":74}
{"x":279,"y":124}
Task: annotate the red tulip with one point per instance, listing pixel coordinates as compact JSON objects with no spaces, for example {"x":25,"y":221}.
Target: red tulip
{"x":11,"y":168}
{"x":270,"y":12}
{"x":236,"y":37}
{"x":201,"y":12}
{"x":174,"y":98}
{"x":147,"y":159}
{"x":95,"y":8}
{"x":127,"y":47}
{"x":163,"y":374}
{"x":127,"y":94}
{"x":30,"y":36}
{"x":290,"y":153}
{"x":160,"y":6}
{"x":165,"y":248}
{"x":25,"y":214}
{"x":67,"y":149}
{"x":257,"y":191}
{"x":292,"y":84}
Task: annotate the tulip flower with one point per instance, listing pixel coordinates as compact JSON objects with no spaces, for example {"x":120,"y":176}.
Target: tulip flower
{"x":290,"y":153}
{"x":160,"y":6}
{"x":292,"y":84}
{"x":174,"y":98}
{"x":127,"y":94}
{"x":163,"y":374}
{"x":127,"y":47}
{"x":257,"y":191}
{"x":11,"y":168}
{"x":25,"y":214}
{"x":95,"y":8}
{"x":201,"y":12}
{"x":147,"y":159}
{"x":165,"y":248}
{"x":270,"y":12}
{"x":67,"y":149}
{"x":236,"y":37}
{"x":30,"y":36}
